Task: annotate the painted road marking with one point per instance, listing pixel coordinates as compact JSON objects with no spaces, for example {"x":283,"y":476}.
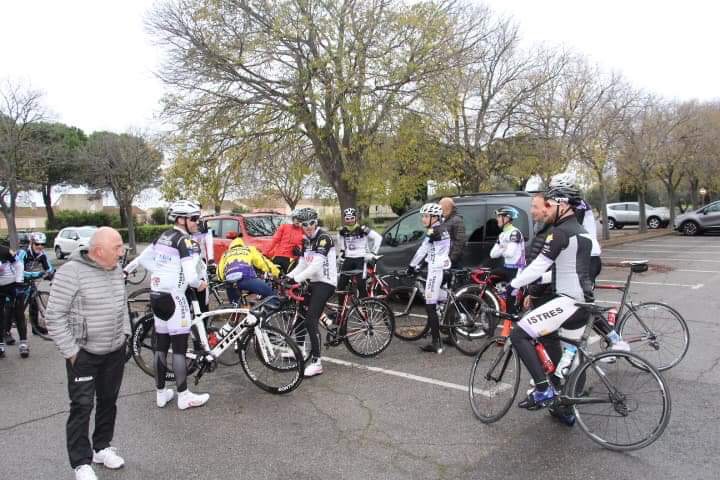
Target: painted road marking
{"x":410,"y":376}
{"x":673,"y":259}
{"x":694,"y":286}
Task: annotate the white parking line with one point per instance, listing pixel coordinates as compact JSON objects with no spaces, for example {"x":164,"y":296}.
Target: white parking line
{"x":673,"y":259}
{"x":698,"y":271}
{"x":694,"y":286}
{"x":410,"y":376}
{"x":694,"y":252}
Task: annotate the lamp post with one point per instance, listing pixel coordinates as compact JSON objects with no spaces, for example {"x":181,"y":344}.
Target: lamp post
{"x":702,"y":193}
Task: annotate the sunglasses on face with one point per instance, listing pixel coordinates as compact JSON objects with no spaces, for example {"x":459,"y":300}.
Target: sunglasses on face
{"x":194,"y":219}
{"x":311,"y":223}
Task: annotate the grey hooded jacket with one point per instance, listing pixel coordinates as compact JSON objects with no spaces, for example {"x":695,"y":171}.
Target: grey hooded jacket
{"x":87,"y":308}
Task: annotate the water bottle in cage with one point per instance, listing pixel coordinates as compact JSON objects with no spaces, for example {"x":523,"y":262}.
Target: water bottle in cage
{"x":542,"y":354}
{"x":612,"y":316}
{"x":563,"y":366}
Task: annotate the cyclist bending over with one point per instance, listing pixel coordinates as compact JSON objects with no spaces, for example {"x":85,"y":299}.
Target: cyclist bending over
{"x":238,"y":267}
{"x":318,"y":265}
{"x":435,"y":250}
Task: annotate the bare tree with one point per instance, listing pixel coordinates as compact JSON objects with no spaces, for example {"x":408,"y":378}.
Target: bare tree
{"x":20,"y":108}
{"x":335,"y":71}
{"x":703,"y":163}
{"x":125,"y":164}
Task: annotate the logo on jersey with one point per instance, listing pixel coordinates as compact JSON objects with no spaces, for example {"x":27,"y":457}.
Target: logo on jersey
{"x":322,"y":242}
{"x":545,"y":315}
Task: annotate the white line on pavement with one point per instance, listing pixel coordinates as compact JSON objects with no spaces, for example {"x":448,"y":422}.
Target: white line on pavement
{"x":694,"y":286}
{"x":673,"y":259}
{"x":698,"y":271}
{"x":694,"y":252}
{"x":410,"y":376}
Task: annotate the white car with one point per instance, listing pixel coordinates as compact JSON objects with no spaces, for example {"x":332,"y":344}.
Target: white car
{"x":628,"y":213}
{"x":70,"y":238}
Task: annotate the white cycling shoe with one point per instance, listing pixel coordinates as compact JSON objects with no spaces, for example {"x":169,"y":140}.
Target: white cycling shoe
{"x":313,"y":368}
{"x":162,"y":397}
{"x":85,"y":472}
{"x":187,"y":399}
{"x":109,"y":458}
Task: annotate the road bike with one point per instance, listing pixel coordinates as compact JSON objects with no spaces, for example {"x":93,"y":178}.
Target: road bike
{"x":137,"y":276}
{"x":623,"y":404}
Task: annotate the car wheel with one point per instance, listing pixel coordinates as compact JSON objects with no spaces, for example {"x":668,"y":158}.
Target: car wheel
{"x":611,"y":223}
{"x":58,"y":253}
{"x":690,"y":229}
{"x":654,"y":223}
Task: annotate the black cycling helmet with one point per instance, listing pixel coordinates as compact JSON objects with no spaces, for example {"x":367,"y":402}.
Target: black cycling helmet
{"x":306,"y":215}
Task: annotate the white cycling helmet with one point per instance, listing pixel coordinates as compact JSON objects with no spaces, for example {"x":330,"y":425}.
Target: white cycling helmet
{"x":562,"y":181}
{"x":432,"y":209}
{"x":183,"y":208}
{"x":38,"y":238}
{"x":349,"y":215}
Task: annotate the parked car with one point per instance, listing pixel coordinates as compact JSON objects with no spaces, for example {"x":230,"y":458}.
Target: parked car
{"x":628,"y":213}
{"x":705,"y":219}
{"x":70,"y":238}
{"x":257,"y":229}
{"x":402,"y":239}
{"x":23,"y":239}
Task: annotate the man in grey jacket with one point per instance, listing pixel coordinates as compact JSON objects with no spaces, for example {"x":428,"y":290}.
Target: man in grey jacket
{"x":456,"y":229}
{"x":87,"y":318}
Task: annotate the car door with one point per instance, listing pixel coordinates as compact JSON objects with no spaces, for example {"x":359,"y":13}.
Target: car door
{"x":617,"y":211}
{"x":69,"y":242}
{"x":400,"y":242}
{"x":477,"y":246}
{"x":632,"y":214}
{"x":710,"y":218}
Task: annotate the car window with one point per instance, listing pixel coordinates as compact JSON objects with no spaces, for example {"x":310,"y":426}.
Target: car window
{"x":409,"y":229}
{"x":618,"y":206}
{"x":279,"y":220}
{"x":230,"y":225}
{"x":214,"y":224}
{"x":70,"y":234}
{"x":474,"y":220}
{"x":260,"y":226}
{"x":492,"y":230}
{"x":713,"y":208}
{"x":86,"y":232}
{"x":631,"y":207}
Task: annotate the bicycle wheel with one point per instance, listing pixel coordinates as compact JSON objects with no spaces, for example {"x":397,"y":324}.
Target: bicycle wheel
{"x":618,"y":405}
{"x":369,"y":327}
{"x":40,"y":324}
{"x":408,"y":308}
{"x":657,"y":332}
{"x":137,"y":276}
{"x":139,"y":304}
{"x":271,"y":360}
{"x":494,"y":380}
{"x":289,"y":322}
{"x":143,"y":349}
{"x":473,"y":322}
{"x":214,"y":323}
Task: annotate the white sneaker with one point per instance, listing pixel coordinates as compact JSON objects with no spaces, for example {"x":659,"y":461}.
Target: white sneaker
{"x":187,"y":399}
{"x":85,"y":472}
{"x":620,"y":346}
{"x":314,"y":367}
{"x":108,"y":457}
{"x":162,"y":397}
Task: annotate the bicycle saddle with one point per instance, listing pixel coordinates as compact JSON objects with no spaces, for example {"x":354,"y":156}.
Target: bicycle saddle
{"x":592,"y":307}
{"x":637,"y":266}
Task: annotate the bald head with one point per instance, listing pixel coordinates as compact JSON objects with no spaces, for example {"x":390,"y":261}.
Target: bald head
{"x":448,"y":205}
{"x":106,"y":247}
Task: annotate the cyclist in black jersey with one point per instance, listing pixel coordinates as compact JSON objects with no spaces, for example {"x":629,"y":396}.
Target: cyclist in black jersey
{"x":355,"y":242}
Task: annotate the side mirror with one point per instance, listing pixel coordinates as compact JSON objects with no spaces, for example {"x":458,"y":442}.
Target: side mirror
{"x":231,"y":235}
{"x":75,"y":237}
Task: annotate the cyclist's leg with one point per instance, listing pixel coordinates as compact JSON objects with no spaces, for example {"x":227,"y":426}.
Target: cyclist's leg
{"x":319,"y":294}
{"x":255,"y":285}
{"x":3,"y":320}
{"x":348,"y":264}
{"x":18,"y":309}
{"x":433,"y":285}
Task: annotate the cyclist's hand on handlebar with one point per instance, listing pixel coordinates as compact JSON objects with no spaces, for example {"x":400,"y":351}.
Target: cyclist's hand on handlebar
{"x":203,"y":285}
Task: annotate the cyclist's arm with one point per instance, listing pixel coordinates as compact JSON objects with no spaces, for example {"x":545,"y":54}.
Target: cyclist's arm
{"x":209,"y":246}
{"x":46,"y":265}
{"x":420,"y":254}
{"x":145,"y":259}
{"x":262,"y":263}
{"x":19,"y":266}
{"x":514,"y":245}
{"x":555,"y":243}
{"x":188,"y":261}
{"x":274,"y":241}
{"x":497,"y":250}
{"x":340,"y":242}
{"x":319,"y":257}
{"x":376,"y":240}
{"x":301,"y":266}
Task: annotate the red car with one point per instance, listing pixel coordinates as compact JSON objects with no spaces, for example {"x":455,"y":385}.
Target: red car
{"x":257,"y":229}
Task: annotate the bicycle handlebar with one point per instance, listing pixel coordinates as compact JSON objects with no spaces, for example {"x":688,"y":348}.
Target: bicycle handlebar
{"x":293,"y":293}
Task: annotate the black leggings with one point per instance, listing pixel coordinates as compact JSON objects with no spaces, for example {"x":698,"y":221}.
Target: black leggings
{"x":11,"y":308}
{"x":162,"y":346}
{"x":315,"y":300}
{"x":352,"y":264}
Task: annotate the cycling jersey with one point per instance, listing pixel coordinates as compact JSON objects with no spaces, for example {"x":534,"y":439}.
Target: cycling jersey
{"x":35,"y":264}
{"x":511,"y":246}
{"x":11,"y":267}
{"x":318,"y":262}
{"x":205,"y":240}
{"x":353,"y":241}
{"x":435,"y":248}
{"x":567,"y":250}
{"x":175,"y":262}
{"x":586,"y":218}
{"x":240,"y":262}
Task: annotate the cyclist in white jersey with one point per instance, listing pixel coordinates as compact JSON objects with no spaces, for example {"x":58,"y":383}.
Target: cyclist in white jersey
{"x":355,"y":242}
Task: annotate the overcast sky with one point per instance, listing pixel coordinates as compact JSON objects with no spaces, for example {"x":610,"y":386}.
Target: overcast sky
{"x":95,"y":62}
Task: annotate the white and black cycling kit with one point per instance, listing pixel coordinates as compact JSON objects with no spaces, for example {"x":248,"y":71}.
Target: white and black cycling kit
{"x":567,"y":252}
{"x":354,"y":244}
{"x":174,"y":263}
{"x":586,"y":218}
{"x":435,"y":250}
{"x":510,"y":246}
{"x":318,"y":265}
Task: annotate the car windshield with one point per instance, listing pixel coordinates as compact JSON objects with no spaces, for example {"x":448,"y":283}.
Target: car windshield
{"x":86,"y":231}
{"x":264,"y":226}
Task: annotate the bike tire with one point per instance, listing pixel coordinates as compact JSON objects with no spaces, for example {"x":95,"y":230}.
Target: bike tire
{"x":137,"y":276}
{"x":143,"y":349}
{"x":369,"y":328}
{"x":41,"y":324}
{"x":285,"y":320}
{"x":601,"y":379}
{"x":470,"y":339}
{"x":667,"y":342}
{"x":255,"y":365}
{"x":408,"y":308}
{"x":495,"y":372}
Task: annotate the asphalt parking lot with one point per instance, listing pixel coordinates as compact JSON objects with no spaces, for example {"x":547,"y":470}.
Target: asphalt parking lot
{"x":407,"y":417}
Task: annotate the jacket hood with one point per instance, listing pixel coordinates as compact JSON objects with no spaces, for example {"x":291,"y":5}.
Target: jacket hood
{"x":81,"y":255}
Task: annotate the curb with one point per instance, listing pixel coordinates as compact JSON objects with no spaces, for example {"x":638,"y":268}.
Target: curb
{"x":635,"y":238}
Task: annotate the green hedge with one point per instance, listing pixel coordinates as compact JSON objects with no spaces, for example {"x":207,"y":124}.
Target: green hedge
{"x":74,"y":218}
